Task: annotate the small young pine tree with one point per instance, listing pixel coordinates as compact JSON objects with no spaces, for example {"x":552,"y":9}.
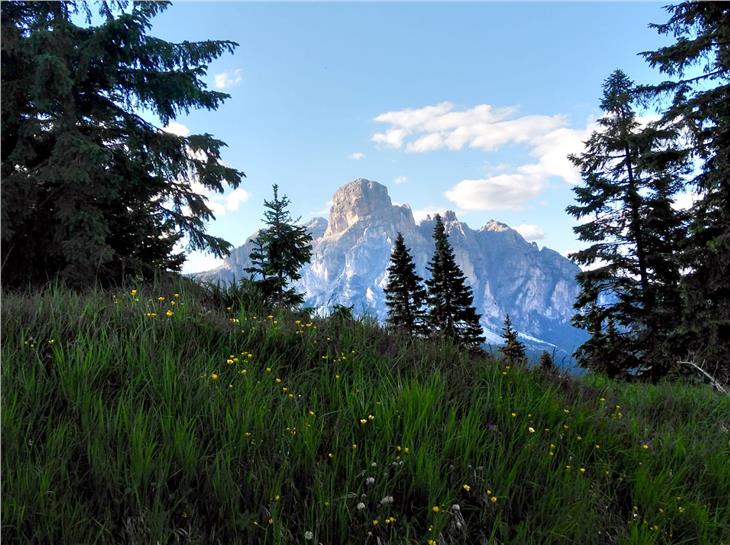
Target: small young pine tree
{"x":512,"y":350}
{"x":405,"y":295}
{"x":452,"y":313}
{"x":546,"y":361}
{"x":280,"y":249}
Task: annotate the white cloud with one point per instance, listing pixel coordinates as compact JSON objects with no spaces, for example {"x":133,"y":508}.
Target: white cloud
{"x":199,"y":262}
{"x":393,"y":138}
{"x":173,"y":127}
{"x":530,"y":232}
{"x":235,"y":198}
{"x":502,"y":192}
{"x":400,"y":180}
{"x":547,"y":138}
{"x":357,"y":156}
{"x":221,"y":204}
{"x":228,"y":79}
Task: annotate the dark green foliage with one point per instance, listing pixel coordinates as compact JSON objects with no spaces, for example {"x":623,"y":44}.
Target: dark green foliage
{"x":91,"y":190}
{"x":280,"y":250}
{"x":696,"y":101}
{"x":546,"y":361}
{"x":512,"y":349}
{"x":451,"y":313}
{"x":405,"y":295}
{"x":625,"y":205}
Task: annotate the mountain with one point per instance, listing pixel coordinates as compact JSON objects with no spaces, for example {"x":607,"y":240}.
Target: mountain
{"x":509,"y":275}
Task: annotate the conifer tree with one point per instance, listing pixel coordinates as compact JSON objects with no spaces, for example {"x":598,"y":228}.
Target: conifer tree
{"x":698,"y":107}
{"x":90,"y":189}
{"x":629,"y":180}
{"x":546,"y":361}
{"x":280,"y":250}
{"x":512,"y":349}
{"x":405,"y":295}
{"x":451,"y":310}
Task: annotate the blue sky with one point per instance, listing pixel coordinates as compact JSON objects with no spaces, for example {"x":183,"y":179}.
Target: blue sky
{"x":470,"y":107}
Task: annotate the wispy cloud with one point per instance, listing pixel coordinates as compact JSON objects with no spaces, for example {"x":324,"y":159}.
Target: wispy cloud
{"x":547,"y":138}
{"x":357,"y":156}
{"x":173,"y":127}
{"x":226,"y":80}
{"x":400,"y":180}
{"x":199,"y":262}
{"x":530,"y":232}
{"x":502,"y":192}
{"x":222,"y":204}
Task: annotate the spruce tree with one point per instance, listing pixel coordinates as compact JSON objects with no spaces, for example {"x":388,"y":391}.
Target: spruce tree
{"x":546,"y":361}
{"x":451,"y":310}
{"x":512,"y":349}
{"x":280,"y":250}
{"x":90,"y":189}
{"x":629,"y":180}
{"x":696,"y":102}
{"x":405,"y":295}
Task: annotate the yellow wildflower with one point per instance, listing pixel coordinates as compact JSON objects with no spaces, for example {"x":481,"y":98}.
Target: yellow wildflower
{"x":161,"y":298}
{"x":466,"y":487}
{"x":531,"y":429}
{"x":214,"y":376}
{"x":133,"y":293}
{"x":435,"y":509}
{"x":493,"y":499}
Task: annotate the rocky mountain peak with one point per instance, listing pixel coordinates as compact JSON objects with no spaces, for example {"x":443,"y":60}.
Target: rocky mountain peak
{"x":351,"y":254}
{"x":359,"y":200}
{"x":496,"y":226}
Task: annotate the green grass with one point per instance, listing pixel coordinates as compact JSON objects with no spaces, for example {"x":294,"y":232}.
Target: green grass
{"x":114,"y":431}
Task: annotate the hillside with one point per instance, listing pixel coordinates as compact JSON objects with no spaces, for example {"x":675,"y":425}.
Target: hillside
{"x":161,"y":417}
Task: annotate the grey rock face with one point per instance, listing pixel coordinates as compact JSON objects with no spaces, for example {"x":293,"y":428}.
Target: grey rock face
{"x":508,"y":275}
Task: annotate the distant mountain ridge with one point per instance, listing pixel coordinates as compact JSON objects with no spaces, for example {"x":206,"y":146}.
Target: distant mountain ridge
{"x":351,"y":252}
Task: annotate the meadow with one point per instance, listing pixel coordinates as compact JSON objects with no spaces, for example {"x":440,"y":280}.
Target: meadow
{"x":163,"y":415}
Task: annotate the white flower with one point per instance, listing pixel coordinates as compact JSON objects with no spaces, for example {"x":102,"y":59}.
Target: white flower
{"x":370,"y":481}
{"x":308,"y":535}
{"x":374,"y":464}
{"x":360,"y":506}
{"x":456,"y":507}
{"x":386,"y":500}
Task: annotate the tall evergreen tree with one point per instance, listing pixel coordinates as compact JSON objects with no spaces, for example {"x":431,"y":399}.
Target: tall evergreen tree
{"x":91,"y":190}
{"x":452,"y":313}
{"x":512,"y":349}
{"x":629,"y":180}
{"x":698,"y":65}
{"x":280,"y":250}
{"x":405,"y":295}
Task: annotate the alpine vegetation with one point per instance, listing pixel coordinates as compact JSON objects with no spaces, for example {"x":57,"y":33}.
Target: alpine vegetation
{"x":512,"y":350}
{"x":280,"y":249}
{"x":451,"y":311}
{"x":405,"y":294}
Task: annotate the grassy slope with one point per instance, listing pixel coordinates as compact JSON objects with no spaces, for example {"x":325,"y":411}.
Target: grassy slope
{"x":113,"y":431}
